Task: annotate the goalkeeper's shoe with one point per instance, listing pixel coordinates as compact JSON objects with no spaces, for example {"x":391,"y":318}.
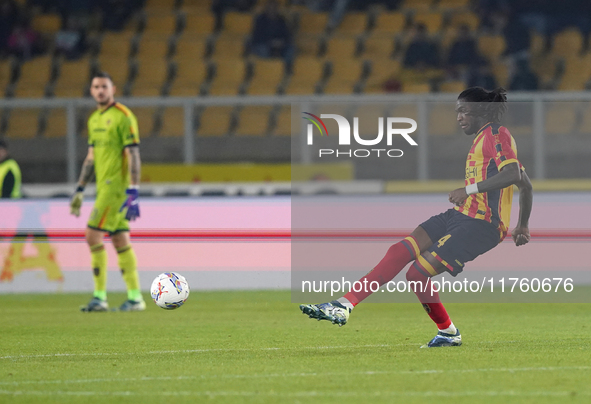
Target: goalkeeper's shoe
{"x":443,"y":339}
{"x":133,"y":305}
{"x":95,"y":304}
{"x":334,"y":312}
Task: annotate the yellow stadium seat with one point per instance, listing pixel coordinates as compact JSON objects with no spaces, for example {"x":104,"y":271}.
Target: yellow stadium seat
{"x":173,"y":122}
{"x":560,"y":118}
{"x":116,"y":44}
{"x":23,"y":123}
{"x":341,"y":47}
{"x":74,"y":78}
{"x":577,"y":72}
{"x":190,"y":48}
{"x":146,"y":117}
{"x":253,"y":121}
{"x":353,"y":23}
{"x":432,"y":20}
{"x":381,"y":71}
{"x":455,"y":87}
{"x":378,"y":47}
{"x":419,"y":5}
{"x":229,"y":46}
{"x":443,"y":119}
{"x":150,"y":78}
{"x":453,"y":3}
{"x":189,"y":78}
{"x":238,"y":23}
{"x":215,"y":121}
{"x":34,"y":76}
{"x":416,"y":88}
{"x":501,"y":73}
{"x":491,"y":46}
{"x":307,"y":72}
{"x":283,"y":122}
{"x":389,"y":23}
{"x":546,"y":67}
{"x":47,"y":23}
{"x":228,"y":78}
{"x":465,"y":18}
{"x":159,"y":5}
{"x":152,"y":47}
{"x":307,"y":45}
{"x":55,"y":123}
{"x":268,"y":74}
{"x":312,"y":23}
{"x":344,"y":76}
{"x":158,"y":23}
{"x":117,"y":68}
{"x":199,"y":23}
{"x":568,"y":43}
{"x":537,"y":44}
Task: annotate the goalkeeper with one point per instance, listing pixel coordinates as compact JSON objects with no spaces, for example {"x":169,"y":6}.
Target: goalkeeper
{"x":114,"y":157}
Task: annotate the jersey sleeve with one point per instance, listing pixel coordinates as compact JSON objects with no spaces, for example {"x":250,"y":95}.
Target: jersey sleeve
{"x":129,"y":131}
{"x":501,"y":147}
{"x":90,"y":139}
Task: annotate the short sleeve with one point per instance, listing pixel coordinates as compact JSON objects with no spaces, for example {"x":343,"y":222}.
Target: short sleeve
{"x":90,"y":139}
{"x":502,"y":148}
{"x":129,"y":131}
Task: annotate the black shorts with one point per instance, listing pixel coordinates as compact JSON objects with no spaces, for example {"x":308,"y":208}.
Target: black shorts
{"x":458,"y":238}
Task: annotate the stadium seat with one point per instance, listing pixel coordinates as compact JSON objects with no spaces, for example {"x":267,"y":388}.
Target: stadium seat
{"x":307,"y":45}
{"x":501,"y":73}
{"x":418,"y":5}
{"x":491,"y":46}
{"x":34,"y":76}
{"x":381,"y":71}
{"x":537,"y":44}
{"x":229,"y":76}
{"x":116,"y":44}
{"x":416,"y":88}
{"x":23,"y":123}
{"x":560,"y":118}
{"x":190,"y":48}
{"x":341,"y":47}
{"x":117,"y":68}
{"x":307,"y":72}
{"x":353,"y":23}
{"x":378,"y":47}
{"x":312,"y":23}
{"x":238,"y":23}
{"x":151,"y":77}
{"x":215,"y":121}
{"x":229,"y":46}
{"x":442,"y":119}
{"x":159,"y":5}
{"x":253,"y":121}
{"x":146,"y":119}
{"x":577,"y":72}
{"x":73,"y":79}
{"x":432,"y":20}
{"x":567,"y":43}
{"x":47,"y":23}
{"x":345,"y":74}
{"x":547,"y":67}
{"x":55,"y":123}
{"x":196,"y":6}
{"x":465,"y":18}
{"x":153,"y":47}
{"x":283,"y":122}
{"x":159,"y":23}
{"x":173,"y":122}
{"x":201,"y":24}
{"x":455,"y":87}
{"x":189,"y":78}
{"x":389,"y":23}
{"x":268,"y":75}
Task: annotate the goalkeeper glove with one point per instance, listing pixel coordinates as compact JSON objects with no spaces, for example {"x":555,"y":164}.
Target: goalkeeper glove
{"x":76,"y":201}
{"x":132,"y":204}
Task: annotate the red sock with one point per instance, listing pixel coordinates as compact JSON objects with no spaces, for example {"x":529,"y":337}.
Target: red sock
{"x":431,"y":302}
{"x":394,"y":261}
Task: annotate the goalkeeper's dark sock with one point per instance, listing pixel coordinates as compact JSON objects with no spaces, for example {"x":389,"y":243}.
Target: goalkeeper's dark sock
{"x":394,"y":261}
{"x":128,"y":264}
{"x":429,"y":299}
{"x":98,"y":261}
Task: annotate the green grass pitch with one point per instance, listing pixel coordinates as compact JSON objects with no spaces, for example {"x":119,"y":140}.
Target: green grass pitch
{"x":256,"y":347}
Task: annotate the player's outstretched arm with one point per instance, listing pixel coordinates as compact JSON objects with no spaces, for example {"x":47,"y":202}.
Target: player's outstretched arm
{"x":135,"y":164}
{"x":520,"y":234}
{"x":85,"y":176}
{"x":509,"y":175}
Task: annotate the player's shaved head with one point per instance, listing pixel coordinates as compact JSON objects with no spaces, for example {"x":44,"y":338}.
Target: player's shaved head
{"x":102,"y":89}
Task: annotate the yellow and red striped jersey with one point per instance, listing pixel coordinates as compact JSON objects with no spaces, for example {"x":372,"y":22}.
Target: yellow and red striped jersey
{"x":493,"y":149}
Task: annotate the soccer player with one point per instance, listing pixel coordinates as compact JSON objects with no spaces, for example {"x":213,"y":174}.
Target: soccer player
{"x":114,"y":156}
{"x":10,"y":174}
{"x":477,"y":223}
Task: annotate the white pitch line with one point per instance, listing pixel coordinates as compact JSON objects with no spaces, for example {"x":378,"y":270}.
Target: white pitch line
{"x":312,"y":393}
{"x":283,"y":375}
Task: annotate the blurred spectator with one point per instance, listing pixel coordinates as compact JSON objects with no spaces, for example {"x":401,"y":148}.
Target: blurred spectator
{"x":9,"y":14}
{"x":220,"y":7}
{"x":422,"y":52}
{"x":480,"y":75}
{"x":10,"y":174}
{"x":71,"y":41}
{"x":24,"y":42}
{"x":517,"y":37}
{"x":463,"y":50}
{"x":271,"y":36}
{"x":524,"y":78}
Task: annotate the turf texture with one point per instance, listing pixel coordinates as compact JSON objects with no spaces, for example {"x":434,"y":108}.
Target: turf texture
{"x":257,"y":347}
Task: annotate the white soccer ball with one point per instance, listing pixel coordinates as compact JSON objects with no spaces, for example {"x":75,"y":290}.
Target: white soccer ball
{"x":169,"y":290}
